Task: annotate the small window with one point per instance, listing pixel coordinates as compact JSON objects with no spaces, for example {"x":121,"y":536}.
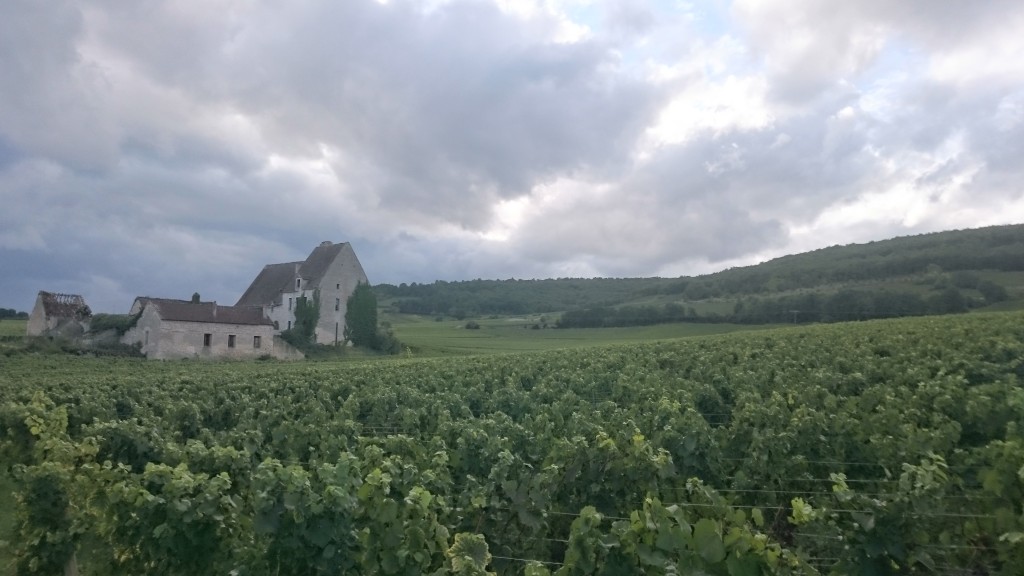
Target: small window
{"x":289,"y":324}
{"x":298,"y":283}
{"x":255,"y":341}
{"x":206,"y":340}
{"x":231,"y":340}
{"x":337,"y":286}
{"x":289,"y":303}
{"x":337,"y":303}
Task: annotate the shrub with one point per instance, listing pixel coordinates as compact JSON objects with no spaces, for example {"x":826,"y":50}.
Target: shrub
{"x":120,"y":323}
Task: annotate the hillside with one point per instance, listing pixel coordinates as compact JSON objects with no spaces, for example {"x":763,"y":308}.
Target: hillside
{"x":940,"y":272}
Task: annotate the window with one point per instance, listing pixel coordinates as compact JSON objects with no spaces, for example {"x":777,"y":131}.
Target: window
{"x":337,"y":303}
{"x":231,"y":340}
{"x":255,"y":341}
{"x":289,"y":303}
{"x":298,"y":283}
{"x":289,"y":324}
{"x":337,"y":286}
{"x":206,"y":340}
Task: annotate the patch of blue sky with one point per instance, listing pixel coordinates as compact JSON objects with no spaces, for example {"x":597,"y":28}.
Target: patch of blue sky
{"x":711,"y":18}
{"x":880,"y":85}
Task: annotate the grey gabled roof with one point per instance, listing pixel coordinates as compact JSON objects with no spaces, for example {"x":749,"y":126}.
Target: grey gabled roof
{"x":319,"y":260}
{"x":277,"y":278}
{"x":206,"y":312}
{"x":268,"y":285}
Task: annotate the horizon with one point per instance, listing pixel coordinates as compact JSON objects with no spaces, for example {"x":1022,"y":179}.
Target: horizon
{"x":565,"y":278}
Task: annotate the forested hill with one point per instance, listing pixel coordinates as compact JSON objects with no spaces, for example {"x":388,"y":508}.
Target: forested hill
{"x":824,"y":271}
{"x":991,"y":248}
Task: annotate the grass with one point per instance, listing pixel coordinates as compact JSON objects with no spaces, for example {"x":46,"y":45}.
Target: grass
{"x":428,"y":337}
{"x":9,"y":327}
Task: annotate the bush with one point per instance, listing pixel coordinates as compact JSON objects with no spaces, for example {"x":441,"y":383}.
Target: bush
{"x":120,"y":323}
{"x":472,"y":325}
{"x":388,"y":343}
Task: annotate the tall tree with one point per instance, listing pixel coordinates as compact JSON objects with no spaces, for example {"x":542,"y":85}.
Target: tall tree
{"x":307,"y":315}
{"x":361,"y":317}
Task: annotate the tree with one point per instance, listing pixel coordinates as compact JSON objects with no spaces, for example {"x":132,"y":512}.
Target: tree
{"x":307,"y":315}
{"x":992,"y":292}
{"x":361,"y":317}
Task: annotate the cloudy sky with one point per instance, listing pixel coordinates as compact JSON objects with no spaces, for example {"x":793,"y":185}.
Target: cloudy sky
{"x":165,"y":147}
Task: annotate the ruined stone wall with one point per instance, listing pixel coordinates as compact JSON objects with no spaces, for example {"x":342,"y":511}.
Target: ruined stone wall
{"x":37,"y":319}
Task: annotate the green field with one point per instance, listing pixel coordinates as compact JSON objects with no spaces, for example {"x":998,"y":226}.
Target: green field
{"x":881,"y":447}
{"x":428,"y":337}
{"x":10,"y":327}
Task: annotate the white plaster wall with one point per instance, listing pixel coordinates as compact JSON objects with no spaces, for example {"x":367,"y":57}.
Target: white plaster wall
{"x":281,"y":314}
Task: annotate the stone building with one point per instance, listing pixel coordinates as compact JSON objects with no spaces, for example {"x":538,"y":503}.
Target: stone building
{"x":331,"y":270}
{"x":58,"y":314}
{"x":168,"y":329}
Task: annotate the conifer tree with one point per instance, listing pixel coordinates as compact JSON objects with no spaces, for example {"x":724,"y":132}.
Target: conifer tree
{"x":361,"y":317}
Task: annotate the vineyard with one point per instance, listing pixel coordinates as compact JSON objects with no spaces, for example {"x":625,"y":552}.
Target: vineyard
{"x":884,"y":447}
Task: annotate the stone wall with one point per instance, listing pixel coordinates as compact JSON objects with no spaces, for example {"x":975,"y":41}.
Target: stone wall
{"x":165,"y":340}
{"x":337,"y":285}
{"x":37,"y":325}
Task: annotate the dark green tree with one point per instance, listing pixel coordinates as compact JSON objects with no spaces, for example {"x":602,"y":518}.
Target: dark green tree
{"x":361,"y":317}
{"x":992,"y":292}
{"x":307,"y":315}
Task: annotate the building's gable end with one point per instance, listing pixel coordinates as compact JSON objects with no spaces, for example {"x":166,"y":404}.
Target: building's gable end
{"x":336,"y":283}
{"x":54,"y":310}
{"x":37,"y":318}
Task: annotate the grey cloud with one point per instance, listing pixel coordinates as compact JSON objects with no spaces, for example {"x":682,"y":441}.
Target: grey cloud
{"x":458,"y":107}
{"x":451,"y":109}
{"x":628,"y":18}
{"x":161,"y":148}
{"x":53,"y":102}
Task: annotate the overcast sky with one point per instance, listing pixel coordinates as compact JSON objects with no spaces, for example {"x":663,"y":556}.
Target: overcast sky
{"x":162,"y":148}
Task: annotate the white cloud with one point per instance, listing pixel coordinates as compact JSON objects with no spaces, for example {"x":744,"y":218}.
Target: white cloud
{"x":715,"y":108}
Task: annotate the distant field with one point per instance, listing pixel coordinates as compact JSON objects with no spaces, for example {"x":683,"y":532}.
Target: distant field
{"x":428,"y":337}
{"x":12,"y":327}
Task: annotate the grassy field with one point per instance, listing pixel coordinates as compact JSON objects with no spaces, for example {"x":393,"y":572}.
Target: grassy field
{"x":428,"y":337}
{"x":12,"y":327}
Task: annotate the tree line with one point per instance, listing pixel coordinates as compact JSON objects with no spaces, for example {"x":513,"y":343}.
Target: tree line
{"x":999,"y":248}
{"x":11,"y":313}
{"x":842,"y":306}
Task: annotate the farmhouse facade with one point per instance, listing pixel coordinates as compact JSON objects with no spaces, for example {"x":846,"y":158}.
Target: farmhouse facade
{"x":331,"y":271}
{"x":170,"y":329}
{"x":56,"y":313}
